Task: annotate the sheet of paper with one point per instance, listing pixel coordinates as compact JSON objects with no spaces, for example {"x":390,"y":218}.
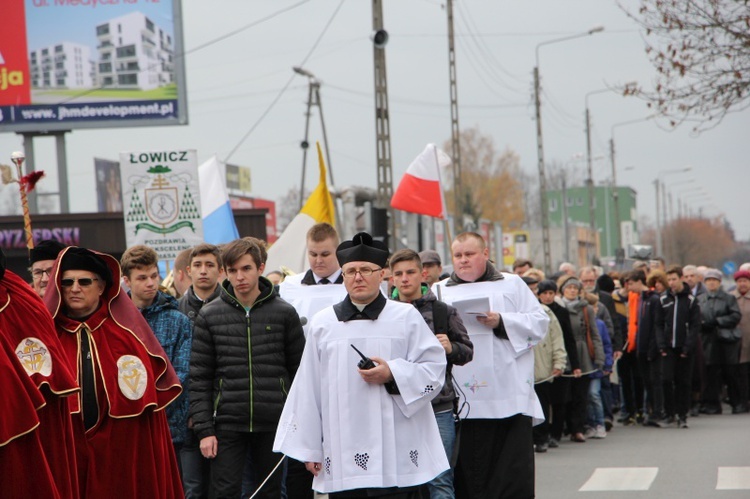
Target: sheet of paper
{"x":472,"y":308}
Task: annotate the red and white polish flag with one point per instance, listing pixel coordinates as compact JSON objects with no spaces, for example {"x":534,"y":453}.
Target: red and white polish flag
{"x":420,"y":190}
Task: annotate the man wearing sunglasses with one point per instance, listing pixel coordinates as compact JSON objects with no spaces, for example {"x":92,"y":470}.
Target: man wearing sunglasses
{"x":122,"y":440}
{"x":41,"y":258}
{"x":364,"y":426}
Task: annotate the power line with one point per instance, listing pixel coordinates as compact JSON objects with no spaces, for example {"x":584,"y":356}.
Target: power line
{"x":484,"y":47}
{"x":286,"y":86}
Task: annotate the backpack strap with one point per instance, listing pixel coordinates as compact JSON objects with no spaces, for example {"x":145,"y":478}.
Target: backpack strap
{"x":440,"y":317}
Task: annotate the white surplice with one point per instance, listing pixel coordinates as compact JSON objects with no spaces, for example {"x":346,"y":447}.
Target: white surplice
{"x":499,"y":381}
{"x":308,"y":300}
{"x":363,"y":436}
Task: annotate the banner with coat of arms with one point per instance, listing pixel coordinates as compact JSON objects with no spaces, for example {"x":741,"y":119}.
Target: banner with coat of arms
{"x":161,"y":200}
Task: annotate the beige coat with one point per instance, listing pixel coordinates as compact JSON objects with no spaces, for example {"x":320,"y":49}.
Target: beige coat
{"x":549,"y":354}
{"x":744,"y":303}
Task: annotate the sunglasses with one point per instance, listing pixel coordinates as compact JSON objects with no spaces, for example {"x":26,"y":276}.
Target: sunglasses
{"x":84,"y":282}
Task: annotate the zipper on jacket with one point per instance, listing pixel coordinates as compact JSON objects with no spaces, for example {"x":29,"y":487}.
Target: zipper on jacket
{"x":218,"y":398}
{"x":674,"y":322}
{"x":250,"y":365}
{"x":283,"y":387}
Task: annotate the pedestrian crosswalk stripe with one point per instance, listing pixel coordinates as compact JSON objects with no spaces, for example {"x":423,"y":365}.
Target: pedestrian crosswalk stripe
{"x":733,"y":478}
{"x":609,"y":479}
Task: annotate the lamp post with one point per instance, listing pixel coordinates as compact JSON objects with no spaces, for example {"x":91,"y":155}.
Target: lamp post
{"x":540,"y":144}
{"x":590,"y":180}
{"x":313,"y":99}
{"x":615,"y":193}
{"x":657,"y":183}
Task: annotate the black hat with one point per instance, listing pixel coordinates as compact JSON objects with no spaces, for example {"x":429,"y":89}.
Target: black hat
{"x":546,"y":285}
{"x":82,"y":259}
{"x":605,"y":283}
{"x":47,"y":249}
{"x":362,"y":248}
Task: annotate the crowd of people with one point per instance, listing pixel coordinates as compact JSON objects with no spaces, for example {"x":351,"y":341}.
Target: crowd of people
{"x":369,"y":375}
{"x":652,"y":346}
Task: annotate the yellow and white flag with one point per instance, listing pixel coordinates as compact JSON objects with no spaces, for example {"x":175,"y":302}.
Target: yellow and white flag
{"x":290,"y":249}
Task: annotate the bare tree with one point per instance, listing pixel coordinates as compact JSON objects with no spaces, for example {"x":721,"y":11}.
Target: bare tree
{"x":701,"y":52}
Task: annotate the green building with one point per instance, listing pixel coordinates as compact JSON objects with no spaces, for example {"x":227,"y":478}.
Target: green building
{"x":576,"y":208}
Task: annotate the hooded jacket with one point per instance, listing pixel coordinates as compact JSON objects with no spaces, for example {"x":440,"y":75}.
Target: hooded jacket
{"x":243,"y":362}
{"x":461,"y":353}
{"x":678,"y":321}
{"x":174,"y":331}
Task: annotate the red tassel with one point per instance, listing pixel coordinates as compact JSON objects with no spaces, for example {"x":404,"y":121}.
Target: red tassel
{"x":29,"y":181}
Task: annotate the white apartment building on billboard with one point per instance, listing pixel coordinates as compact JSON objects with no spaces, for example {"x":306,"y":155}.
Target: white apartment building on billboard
{"x":63,"y":65}
{"x":134,"y":53}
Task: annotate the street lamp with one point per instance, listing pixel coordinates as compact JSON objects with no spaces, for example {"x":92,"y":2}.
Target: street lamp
{"x":313,"y":99}
{"x":590,"y":181}
{"x":615,"y":193}
{"x":540,"y":145}
{"x":657,"y":183}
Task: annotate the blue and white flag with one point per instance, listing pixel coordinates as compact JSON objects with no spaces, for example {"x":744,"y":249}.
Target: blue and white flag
{"x":218,"y":220}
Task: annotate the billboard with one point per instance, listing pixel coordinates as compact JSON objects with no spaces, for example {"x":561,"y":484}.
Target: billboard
{"x":161,"y":198}
{"x":65,"y":65}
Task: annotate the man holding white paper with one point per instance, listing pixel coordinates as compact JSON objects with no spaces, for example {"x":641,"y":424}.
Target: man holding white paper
{"x":496,"y":456}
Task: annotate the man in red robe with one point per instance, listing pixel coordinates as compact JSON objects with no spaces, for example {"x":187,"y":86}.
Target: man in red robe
{"x":30,"y":335}
{"x":123,"y":445}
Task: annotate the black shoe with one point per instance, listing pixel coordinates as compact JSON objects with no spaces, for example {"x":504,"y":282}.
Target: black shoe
{"x":710,"y":410}
{"x":740,"y":409}
{"x":608,"y":425}
{"x":553,"y":443}
{"x":639,"y":418}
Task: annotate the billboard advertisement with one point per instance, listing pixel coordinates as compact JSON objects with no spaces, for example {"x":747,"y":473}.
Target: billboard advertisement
{"x":65,"y":64}
{"x":161,"y":198}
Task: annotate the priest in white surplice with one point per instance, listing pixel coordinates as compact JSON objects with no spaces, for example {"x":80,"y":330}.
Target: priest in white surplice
{"x":366,"y":432}
{"x":307,"y":292}
{"x":504,"y":321}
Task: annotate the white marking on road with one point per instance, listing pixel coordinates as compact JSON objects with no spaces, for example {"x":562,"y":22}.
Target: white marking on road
{"x":733,"y":478}
{"x":607,"y":479}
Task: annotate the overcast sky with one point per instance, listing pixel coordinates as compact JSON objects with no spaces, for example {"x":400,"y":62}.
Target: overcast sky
{"x":232,"y":82}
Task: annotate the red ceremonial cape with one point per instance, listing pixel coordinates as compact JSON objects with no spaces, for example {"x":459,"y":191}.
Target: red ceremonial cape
{"x":24,"y":467}
{"x":129,"y":450}
{"x":28,"y":327}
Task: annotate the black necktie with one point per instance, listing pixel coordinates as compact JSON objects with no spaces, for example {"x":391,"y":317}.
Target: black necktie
{"x":88,"y":386}
{"x":324,"y":281}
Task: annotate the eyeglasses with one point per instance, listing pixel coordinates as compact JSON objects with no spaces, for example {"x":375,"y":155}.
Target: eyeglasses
{"x":84,"y":282}
{"x":38,"y":273}
{"x":364,"y":272}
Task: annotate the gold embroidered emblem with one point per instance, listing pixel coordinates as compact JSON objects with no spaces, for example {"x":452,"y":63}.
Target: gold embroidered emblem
{"x":34,"y":356}
{"x":131,"y":376}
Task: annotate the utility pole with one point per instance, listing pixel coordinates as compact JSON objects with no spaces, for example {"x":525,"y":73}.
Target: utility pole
{"x":313,"y":99}
{"x":615,"y":195}
{"x":540,"y":144}
{"x":455,"y":130}
{"x":590,"y":180}
{"x":542,"y":174}
{"x":382,"y":119}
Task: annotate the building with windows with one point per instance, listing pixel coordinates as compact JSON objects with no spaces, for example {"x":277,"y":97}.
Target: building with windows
{"x":134,"y":53}
{"x":64,"y":65}
{"x":575,"y":209}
